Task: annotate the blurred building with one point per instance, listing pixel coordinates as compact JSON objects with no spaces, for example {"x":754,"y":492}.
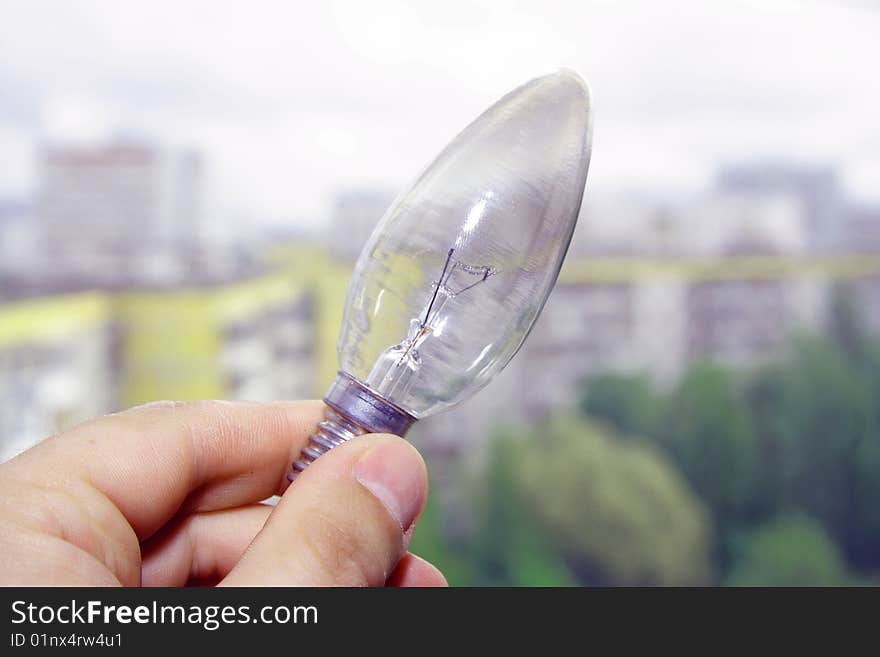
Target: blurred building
{"x":67,"y":358}
{"x":738,"y":322}
{"x":58,"y":364}
{"x":715,"y":223}
{"x":624,"y":224}
{"x":18,"y":240}
{"x":735,"y":223}
{"x":863,"y":230}
{"x":866,"y":293}
{"x":817,"y":187}
{"x":249,"y":340}
{"x":649,"y":287}
{"x":355,"y":214}
{"x":655,"y":317}
{"x":326,"y":280}
{"x":117,"y":210}
{"x":586,"y":327}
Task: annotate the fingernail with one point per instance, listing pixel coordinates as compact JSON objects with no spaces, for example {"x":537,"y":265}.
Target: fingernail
{"x":395,"y":475}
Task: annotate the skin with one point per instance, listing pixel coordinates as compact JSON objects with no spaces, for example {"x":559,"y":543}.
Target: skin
{"x":168,"y":494}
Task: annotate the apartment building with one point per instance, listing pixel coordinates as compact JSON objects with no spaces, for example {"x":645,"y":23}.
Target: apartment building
{"x":58,"y":358}
{"x":249,"y":339}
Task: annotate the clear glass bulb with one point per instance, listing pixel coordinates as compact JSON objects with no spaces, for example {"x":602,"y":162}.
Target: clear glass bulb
{"x":457,"y":271}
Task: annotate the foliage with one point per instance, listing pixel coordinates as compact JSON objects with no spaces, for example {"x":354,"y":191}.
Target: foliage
{"x":790,"y":551}
{"x":619,"y":512}
{"x":429,"y":542}
{"x":510,"y":548}
{"x":782,"y":463}
{"x":800,"y":433}
{"x":566,"y":504}
{"x":627,"y":401}
{"x":708,"y":432}
{"x":823,"y":431}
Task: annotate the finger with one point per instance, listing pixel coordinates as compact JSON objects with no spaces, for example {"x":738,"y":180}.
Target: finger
{"x":413,"y":571}
{"x":152,"y":460}
{"x":345,"y":521}
{"x":201,"y":548}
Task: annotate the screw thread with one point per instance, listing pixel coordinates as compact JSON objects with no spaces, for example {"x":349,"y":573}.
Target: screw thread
{"x":333,"y":430}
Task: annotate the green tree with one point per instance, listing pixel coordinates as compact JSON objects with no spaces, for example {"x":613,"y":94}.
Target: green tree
{"x":628,"y":402}
{"x":864,"y":546}
{"x":618,"y":511}
{"x":430,"y":542}
{"x":509,"y":547}
{"x":802,"y":432}
{"x":818,"y":411}
{"x":793,"y":550}
{"x":707,"y":430}
{"x":849,"y":331}
{"x":765,"y":397}
{"x":847,"y":326}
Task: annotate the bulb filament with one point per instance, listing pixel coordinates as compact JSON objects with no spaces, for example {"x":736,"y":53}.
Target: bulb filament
{"x":437,"y":287}
{"x":443,"y":282}
{"x":396,"y":368}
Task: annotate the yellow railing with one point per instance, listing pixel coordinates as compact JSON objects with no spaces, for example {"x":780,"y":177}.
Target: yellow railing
{"x":50,"y":318}
{"x":621,"y":270}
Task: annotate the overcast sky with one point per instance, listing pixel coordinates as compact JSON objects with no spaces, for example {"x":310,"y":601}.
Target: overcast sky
{"x":289,"y":101}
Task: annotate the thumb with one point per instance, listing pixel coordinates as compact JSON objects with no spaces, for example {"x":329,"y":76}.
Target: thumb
{"x":345,"y":521}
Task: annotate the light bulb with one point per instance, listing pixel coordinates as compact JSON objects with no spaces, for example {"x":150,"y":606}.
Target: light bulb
{"x":457,"y":271}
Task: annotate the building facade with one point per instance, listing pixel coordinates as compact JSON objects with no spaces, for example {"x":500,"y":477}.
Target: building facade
{"x":58,"y":360}
{"x":67,"y":358}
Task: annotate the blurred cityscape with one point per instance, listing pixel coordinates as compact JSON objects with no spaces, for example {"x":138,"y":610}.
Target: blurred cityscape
{"x":641,"y":435}
{"x":184,"y":187}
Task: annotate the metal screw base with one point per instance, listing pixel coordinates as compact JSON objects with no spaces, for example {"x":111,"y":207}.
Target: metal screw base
{"x":332,"y":431}
{"x":352,"y":409}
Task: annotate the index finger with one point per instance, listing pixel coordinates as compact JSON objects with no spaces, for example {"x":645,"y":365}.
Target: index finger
{"x":153,"y":460}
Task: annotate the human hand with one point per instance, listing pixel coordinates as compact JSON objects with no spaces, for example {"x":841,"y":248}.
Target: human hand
{"x":168,"y":494}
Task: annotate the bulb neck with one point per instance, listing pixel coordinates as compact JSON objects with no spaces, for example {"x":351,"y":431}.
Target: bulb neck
{"x":366,"y":407}
{"x":352,"y":409}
